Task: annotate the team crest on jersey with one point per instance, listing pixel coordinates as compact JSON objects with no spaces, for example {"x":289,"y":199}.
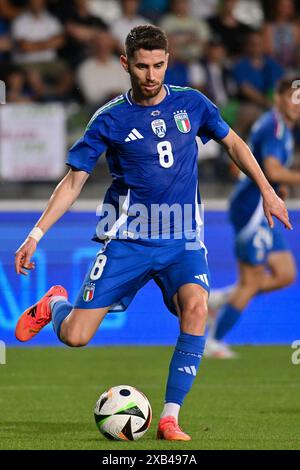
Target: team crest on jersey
{"x":182,"y":121}
{"x":88,"y":293}
{"x":159,"y":127}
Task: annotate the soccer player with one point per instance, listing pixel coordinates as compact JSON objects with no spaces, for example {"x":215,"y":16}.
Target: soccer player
{"x":265,"y":262}
{"x":149,"y":137}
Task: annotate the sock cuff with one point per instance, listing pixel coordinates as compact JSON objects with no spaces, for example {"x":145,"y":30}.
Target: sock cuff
{"x":57,"y":299}
{"x":190,"y":343}
{"x":60,"y":311}
{"x":175,"y":395}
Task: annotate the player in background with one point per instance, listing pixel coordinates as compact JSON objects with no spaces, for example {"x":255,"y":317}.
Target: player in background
{"x":149,"y":135}
{"x":265,"y":262}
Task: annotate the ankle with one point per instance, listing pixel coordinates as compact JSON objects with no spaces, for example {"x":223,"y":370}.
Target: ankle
{"x":171,"y":409}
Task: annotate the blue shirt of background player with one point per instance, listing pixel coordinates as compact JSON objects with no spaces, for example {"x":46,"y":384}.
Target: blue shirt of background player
{"x":270,"y":137}
{"x":134,"y":163}
{"x":178,"y":74}
{"x":262,"y":79}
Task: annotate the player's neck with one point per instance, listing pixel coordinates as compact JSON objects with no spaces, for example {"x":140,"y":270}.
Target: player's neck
{"x":288,"y":122}
{"x":153,"y":101}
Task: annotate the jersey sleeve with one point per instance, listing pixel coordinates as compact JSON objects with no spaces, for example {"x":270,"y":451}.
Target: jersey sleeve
{"x":212,"y":124}
{"x":84,"y":154}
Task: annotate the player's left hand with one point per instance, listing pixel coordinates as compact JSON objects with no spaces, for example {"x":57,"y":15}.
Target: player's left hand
{"x":274,"y":206}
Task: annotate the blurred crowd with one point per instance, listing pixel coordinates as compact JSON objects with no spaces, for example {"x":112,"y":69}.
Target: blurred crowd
{"x":234,"y":51}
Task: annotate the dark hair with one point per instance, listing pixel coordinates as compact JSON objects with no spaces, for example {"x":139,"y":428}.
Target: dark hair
{"x":285,"y":84}
{"x":147,"y":37}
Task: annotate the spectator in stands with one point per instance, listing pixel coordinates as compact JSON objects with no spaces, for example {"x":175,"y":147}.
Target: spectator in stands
{"x":101,"y":77}
{"x":226,"y":26}
{"x":282,"y":35}
{"x":5,"y":41}
{"x":81,"y":29}
{"x":189,"y":34}
{"x":202,"y":9}
{"x":180,"y":72}
{"x":18,"y":89}
{"x":250,"y":12}
{"x":153,"y":9}
{"x":256,"y":74}
{"x":216,"y":78}
{"x":37,"y":36}
{"x":10,"y":9}
{"x":128,"y":19}
{"x":107,"y":10}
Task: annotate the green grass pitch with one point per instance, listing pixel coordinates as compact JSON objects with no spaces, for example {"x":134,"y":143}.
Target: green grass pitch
{"x":47,"y":398}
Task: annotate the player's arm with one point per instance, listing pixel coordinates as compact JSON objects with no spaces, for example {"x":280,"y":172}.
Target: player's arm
{"x":242,"y":156}
{"x":277,"y":173}
{"x":64,"y":195}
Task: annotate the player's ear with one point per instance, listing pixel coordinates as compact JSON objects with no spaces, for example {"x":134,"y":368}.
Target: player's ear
{"x":124,"y":62}
{"x":167,"y":58}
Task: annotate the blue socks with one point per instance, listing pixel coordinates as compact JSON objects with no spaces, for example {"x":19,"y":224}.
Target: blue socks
{"x":60,"y":310}
{"x":228,"y":317}
{"x":184,"y":366}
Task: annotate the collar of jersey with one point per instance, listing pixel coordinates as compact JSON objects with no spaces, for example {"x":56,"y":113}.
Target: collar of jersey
{"x":132,"y":103}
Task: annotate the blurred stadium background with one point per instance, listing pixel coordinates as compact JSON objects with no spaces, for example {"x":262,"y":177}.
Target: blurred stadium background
{"x":59,"y":62}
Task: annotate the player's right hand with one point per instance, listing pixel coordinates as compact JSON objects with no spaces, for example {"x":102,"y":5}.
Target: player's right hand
{"x":274,"y":206}
{"x":23,"y":256}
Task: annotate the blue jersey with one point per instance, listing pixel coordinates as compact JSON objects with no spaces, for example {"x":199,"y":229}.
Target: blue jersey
{"x":152,"y":154}
{"x":270,"y":136}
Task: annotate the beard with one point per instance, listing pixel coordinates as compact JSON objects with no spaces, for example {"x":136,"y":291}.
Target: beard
{"x":150,"y":93}
{"x":142,"y":92}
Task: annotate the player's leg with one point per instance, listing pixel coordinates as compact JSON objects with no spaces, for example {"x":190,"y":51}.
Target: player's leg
{"x":280,"y":263}
{"x":191,"y":304}
{"x":282,"y":271}
{"x":185,"y":293}
{"x":76,"y":327}
{"x":251,"y":249}
{"x":278,"y":271}
{"x":115,"y":276}
{"x":248,"y":285}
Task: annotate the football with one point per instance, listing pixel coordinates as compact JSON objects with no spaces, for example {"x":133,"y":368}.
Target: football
{"x":123,"y":413}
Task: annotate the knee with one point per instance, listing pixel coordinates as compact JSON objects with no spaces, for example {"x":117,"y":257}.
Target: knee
{"x":195,"y":311}
{"x":287,"y":278}
{"x":75,"y":338}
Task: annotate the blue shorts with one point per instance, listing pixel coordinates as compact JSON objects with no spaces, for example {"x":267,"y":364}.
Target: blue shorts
{"x":255,"y":247}
{"x":121,"y":268}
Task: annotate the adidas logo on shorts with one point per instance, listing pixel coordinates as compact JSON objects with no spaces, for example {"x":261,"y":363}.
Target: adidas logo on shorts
{"x":203,"y":278}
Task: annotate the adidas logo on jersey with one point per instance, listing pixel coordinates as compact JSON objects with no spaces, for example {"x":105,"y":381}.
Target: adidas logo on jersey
{"x":188,"y":370}
{"x":203,"y":278}
{"x":134,"y":135}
